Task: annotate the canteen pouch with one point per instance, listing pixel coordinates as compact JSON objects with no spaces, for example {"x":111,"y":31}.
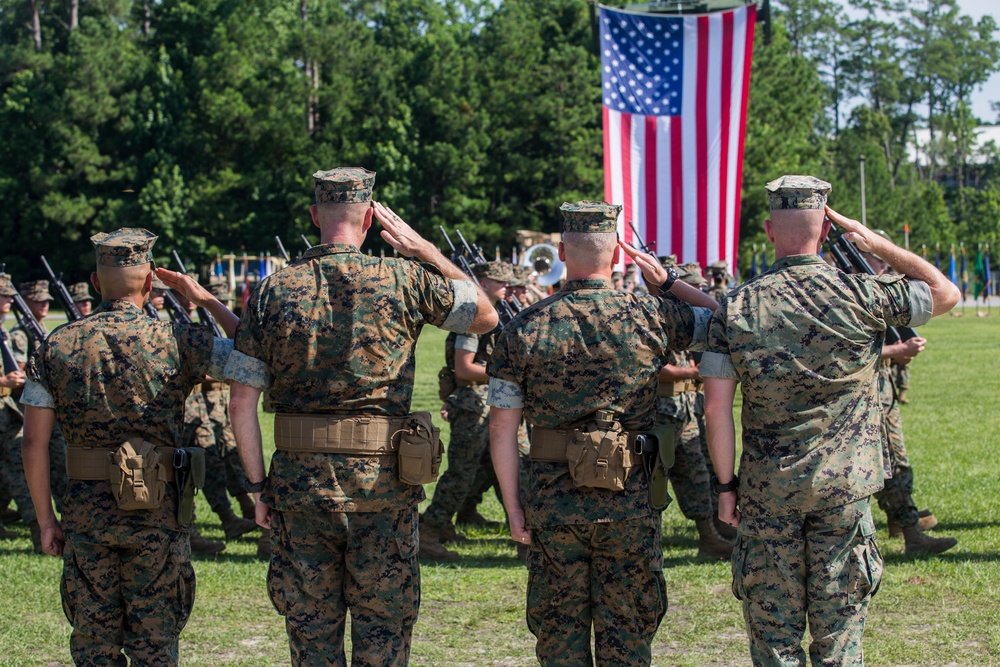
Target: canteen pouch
{"x":420,"y":450}
{"x":658,"y":457}
{"x":138,"y":478}
{"x":446,"y":383}
{"x":189,"y":475}
{"x":599,"y":456}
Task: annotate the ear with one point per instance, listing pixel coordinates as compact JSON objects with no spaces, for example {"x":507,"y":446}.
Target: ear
{"x":824,"y":230}
{"x":562,"y":252}
{"x":147,"y":285}
{"x":314,"y":213}
{"x":769,"y":230}
{"x":95,"y":281}
{"x":366,"y":225}
{"x":616,"y":256}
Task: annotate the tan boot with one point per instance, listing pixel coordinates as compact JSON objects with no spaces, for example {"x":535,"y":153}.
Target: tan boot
{"x":36,"y":537}
{"x":726,"y":531}
{"x":264,"y":545}
{"x":919,"y":543}
{"x":927,"y":521}
{"x":902,"y":397}
{"x":431,"y":547}
{"x":234,"y":526}
{"x":470,"y":516}
{"x":202,"y":545}
{"x":710,"y":543}
{"x":247,"y":506}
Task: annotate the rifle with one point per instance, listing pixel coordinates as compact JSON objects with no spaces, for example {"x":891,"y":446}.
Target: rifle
{"x":26,"y":319}
{"x":505,"y":309}
{"x":9,"y":362}
{"x":203,"y":314}
{"x":306,"y":241}
{"x":151,"y":310}
{"x":649,"y":250}
{"x":281,"y":249}
{"x":850,"y":260}
{"x":72,"y":312}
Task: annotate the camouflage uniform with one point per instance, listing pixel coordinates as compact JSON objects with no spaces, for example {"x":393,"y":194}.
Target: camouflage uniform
{"x":217,"y":408}
{"x":334,"y":334}
{"x":804,"y":340}
{"x":12,"y":481}
{"x":595,"y":558}
{"x":896,"y":499}
{"x":127,"y":578}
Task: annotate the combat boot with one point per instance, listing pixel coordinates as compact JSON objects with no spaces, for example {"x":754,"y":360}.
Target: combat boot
{"x":234,"y":526}
{"x":902,"y":397}
{"x":6,"y":534}
{"x":9,"y":515}
{"x":431,"y":547}
{"x":202,"y":545}
{"x":710,"y":543}
{"x":36,"y":537}
{"x":726,"y":531}
{"x":927,"y":521}
{"x":264,"y":545}
{"x":470,"y":516}
{"x":919,"y":543}
{"x":445,"y":533}
{"x":247,"y":506}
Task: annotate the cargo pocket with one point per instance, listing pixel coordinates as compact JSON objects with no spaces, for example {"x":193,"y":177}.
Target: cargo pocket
{"x":70,"y":584}
{"x":180,"y":556}
{"x":866,"y":561}
{"x":738,"y":562}
{"x":275,"y":577}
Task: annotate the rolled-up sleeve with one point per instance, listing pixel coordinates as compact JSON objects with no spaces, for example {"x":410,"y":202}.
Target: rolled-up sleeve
{"x":221,"y":349}
{"x":716,"y":365}
{"x":463,"y":309}
{"x":504,"y":394}
{"x":36,"y":395}
{"x":247,"y":370}
{"x":921,"y":303}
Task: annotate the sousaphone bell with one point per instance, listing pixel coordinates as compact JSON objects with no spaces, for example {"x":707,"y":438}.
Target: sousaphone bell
{"x":544,"y":260}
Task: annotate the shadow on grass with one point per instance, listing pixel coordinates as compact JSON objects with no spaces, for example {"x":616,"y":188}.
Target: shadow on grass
{"x":948,"y":556}
{"x":501,"y":562}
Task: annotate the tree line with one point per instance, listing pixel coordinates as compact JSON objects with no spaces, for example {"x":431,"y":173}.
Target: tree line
{"x":203,"y":120}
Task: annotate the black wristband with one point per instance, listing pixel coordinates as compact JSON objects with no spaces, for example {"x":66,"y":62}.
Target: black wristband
{"x":718,"y":487}
{"x":254,"y":487}
{"x":672,"y":276}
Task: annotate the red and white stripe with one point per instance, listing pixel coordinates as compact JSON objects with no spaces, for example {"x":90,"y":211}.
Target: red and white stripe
{"x":679,"y":177}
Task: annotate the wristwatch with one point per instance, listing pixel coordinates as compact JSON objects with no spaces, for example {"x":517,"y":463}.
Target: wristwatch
{"x":672,"y":276}
{"x":254,"y":487}
{"x":718,"y":487}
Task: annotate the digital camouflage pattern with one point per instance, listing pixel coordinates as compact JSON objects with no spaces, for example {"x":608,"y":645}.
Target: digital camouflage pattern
{"x":198,"y":432}
{"x":595,"y":557}
{"x":337,"y":330}
{"x":589,"y":348}
{"x":689,"y":474}
{"x":377,"y":578}
{"x":822,"y":567}
{"x":896,"y":498}
{"x":127,"y":246}
{"x":217,"y":404}
{"x":127,"y":577}
{"x":6,"y":286}
{"x":797,"y":192}
{"x":608,"y":575}
{"x":344,"y":185}
{"x":12,"y":479}
{"x":590,"y":216}
{"x":80,"y":292}
{"x":469,"y":417}
{"x":35,"y":290}
{"x":812,"y":421}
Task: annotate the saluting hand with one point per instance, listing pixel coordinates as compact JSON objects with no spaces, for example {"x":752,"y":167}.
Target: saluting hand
{"x":186,"y":285}
{"x":856,"y":233}
{"x":397,"y":233}
{"x":651,"y":268}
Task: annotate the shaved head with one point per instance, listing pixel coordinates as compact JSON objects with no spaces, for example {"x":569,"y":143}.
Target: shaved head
{"x":341,"y":214}
{"x":796,"y":231}
{"x":118,"y":282}
{"x":592,"y":250}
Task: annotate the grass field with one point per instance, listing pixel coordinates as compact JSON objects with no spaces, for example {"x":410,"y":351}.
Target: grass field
{"x":930,"y":611}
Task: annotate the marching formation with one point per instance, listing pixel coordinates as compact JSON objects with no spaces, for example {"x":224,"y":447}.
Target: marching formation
{"x":580,"y":408}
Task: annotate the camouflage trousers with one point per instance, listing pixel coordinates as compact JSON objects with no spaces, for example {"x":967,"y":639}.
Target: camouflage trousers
{"x":12,"y":478}
{"x":486,"y":477}
{"x":128,"y":588}
{"x":217,"y":406}
{"x":326,"y":564}
{"x":470,"y":439}
{"x":820,"y":568}
{"x":896,"y":497}
{"x":607,"y":575}
{"x":689,"y":475}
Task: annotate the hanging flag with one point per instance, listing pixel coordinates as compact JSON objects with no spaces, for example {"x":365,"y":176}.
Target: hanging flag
{"x":937,"y":256}
{"x":964,"y":273}
{"x":246,"y":281}
{"x":952,"y":273}
{"x":218,"y":267}
{"x":674,"y":93}
{"x":987,"y":275}
{"x":979,"y":285}
{"x":763,"y":260}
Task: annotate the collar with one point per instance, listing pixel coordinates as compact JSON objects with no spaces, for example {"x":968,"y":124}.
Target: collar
{"x":117,"y":305}
{"x":586,"y":283}
{"x":796,"y":260}
{"x":330,"y":249}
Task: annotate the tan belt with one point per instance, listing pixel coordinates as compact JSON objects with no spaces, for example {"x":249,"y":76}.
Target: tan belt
{"x":91,"y":463}
{"x":549,"y":445}
{"x":676,"y":388}
{"x":360,"y":435}
{"x":212,"y":386}
{"x":5,"y":391}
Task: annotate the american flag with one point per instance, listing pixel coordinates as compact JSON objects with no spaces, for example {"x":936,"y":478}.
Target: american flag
{"x":674,"y":93}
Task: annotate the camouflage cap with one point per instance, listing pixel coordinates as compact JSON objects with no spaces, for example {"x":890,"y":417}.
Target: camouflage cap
{"x":124,"y":247}
{"x":691,"y":274}
{"x":219,"y":290}
{"x":520,"y":276}
{"x":35,"y":290}
{"x":80,"y":292}
{"x":668,"y":261}
{"x":159,"y":284}
{"x":344,"y":185}
{"x":590,"y":216}
{"x":617,"y":274}
{"x":797,"y":192}
{"x":499,"y":271}
{"x":6,"y":286}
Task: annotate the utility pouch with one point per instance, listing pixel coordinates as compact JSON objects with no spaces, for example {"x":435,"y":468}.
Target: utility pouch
{"x":658,"y":449}
{"x":599,"y":455}
{"x":138,"y":478}
{"x":420,"y":450}
{"x":189,"y":476}
{"x":446,"y":383}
